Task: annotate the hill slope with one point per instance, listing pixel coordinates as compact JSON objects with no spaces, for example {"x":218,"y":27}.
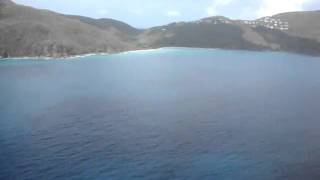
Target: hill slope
{"x":221,"y":32}
{"x":304,"y":24}
{"x":26,"y":31}
{"x":109,"y":23}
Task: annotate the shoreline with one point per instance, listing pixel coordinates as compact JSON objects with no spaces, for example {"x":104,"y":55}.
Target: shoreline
{"x":73,"y":56}
{"x":53,"y":58}
{"x":79,"y":56}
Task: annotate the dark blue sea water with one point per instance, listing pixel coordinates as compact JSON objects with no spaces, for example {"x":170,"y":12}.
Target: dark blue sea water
{"x":179,"y":114}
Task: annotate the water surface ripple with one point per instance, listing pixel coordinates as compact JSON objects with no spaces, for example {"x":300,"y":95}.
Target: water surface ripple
{"x":163,"y":114}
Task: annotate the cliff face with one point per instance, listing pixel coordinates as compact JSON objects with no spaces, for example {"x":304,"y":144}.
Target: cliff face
{"x":25,"y":31}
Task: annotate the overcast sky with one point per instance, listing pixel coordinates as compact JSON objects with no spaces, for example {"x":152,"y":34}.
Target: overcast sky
{"x":147,"y":13}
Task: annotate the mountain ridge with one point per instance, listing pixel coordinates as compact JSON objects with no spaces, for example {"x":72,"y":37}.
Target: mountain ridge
{"x":27,"y":31}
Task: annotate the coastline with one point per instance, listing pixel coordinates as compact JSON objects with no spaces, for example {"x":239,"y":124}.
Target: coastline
{"x":72,"y":57}
{"x":53,"y":58}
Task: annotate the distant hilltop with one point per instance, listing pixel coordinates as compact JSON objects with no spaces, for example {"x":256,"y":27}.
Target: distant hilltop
{"x":26,"y":31}
{"x":267,"y":22}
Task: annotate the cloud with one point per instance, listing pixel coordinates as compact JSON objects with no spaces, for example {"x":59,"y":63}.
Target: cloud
{"x":272,"y":7}
{"x":136,"y":11}
{"x":211,"y":11}
{"x":103,"y":12}
{"x":173,"y":13}
{"x":215,"y":6}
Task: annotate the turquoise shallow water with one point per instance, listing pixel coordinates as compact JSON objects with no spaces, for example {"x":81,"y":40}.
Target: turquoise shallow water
{"x":172,"y":113}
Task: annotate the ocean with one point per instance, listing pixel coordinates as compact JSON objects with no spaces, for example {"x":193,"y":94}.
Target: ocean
{"x":172,"y":113}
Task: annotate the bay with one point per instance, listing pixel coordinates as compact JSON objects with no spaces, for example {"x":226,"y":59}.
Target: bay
{"x":171,"y":113}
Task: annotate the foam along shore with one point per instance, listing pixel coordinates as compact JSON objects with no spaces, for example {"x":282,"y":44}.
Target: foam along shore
{"x":80,"y":56}
{"x":75,"y":56}
{"x":97,"y":54}
{"x":94,"y":54}
{"x":55,"y":58}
